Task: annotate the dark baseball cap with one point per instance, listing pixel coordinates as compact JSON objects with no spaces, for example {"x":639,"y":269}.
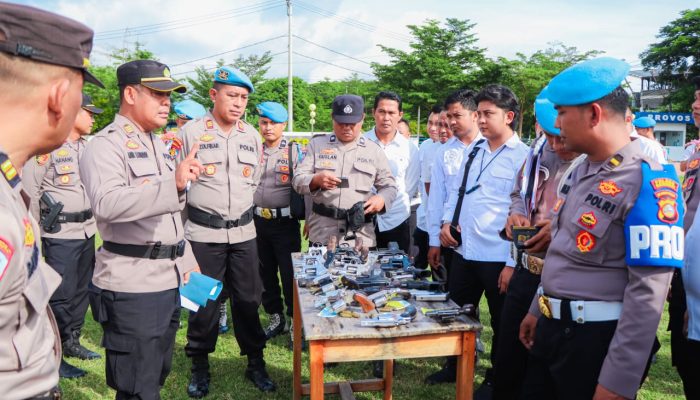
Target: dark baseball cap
{"x":348,"y":109}
{"x":149,"y":73}
{"x":88,"y":106}
{"x":46,"y":37}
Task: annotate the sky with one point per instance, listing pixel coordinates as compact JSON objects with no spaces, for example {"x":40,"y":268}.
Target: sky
{"x":334,"y":39}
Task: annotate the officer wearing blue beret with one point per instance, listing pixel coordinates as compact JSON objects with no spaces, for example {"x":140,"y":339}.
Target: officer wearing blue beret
{"x":645,"y":127}
{"x":616,"y":237}
{"x":220,"y":213}
{"x":188,"y":110}
{"x":277,"y":229}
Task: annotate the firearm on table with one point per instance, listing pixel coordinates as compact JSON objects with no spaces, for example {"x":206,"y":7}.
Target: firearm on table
{"x":330,"y":251}
{"x":451,"y":313}
{"x":429,"y":295}
{"x":385,"y":320}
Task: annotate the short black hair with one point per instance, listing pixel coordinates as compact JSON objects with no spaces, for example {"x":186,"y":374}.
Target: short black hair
{"x":437,"y":109}
{"x":502,"y":97}
{"x":616,"y":101}
{"x":404,"y":121}
{"x":466,"y":97}
{"x":387,"y":96}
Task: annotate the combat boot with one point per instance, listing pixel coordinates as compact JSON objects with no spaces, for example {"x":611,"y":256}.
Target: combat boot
{"x":199,"y":381}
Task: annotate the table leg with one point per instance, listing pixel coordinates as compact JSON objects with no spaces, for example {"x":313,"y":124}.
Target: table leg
{"x":388,"y":378}
{"x":316,"y":376}
{"x":296,"y":334}
{"x":465,"y":367}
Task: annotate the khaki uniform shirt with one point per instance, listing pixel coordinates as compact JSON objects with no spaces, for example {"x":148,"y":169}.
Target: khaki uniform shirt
{"x":30,"y":345}
{"x":275,"y":184}
{"x":57,"y":174}
{"x":130,"y":180}
{"x":586,"y":261}
{"x":231,"y":174}
{"x":691,"y":193}
{"x":365,"y":165}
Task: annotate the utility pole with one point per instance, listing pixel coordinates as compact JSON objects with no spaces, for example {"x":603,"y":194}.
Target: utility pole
{"x":290,"y":87}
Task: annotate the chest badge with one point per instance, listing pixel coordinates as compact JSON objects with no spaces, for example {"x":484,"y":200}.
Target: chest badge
{"x":206,"y":137}
{"x":247,"y":171}
{"x":585,"y":242}
{"x":210,"y":169}
{"x":64,"y":179}
{"x":130,"y":144}
{"x":609,"y":187}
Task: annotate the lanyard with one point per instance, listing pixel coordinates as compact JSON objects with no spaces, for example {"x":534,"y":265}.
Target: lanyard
{"x":483,"y":168}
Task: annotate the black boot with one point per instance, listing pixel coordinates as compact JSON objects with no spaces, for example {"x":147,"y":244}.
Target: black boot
{"x":257,"y":374}
{"x":68,"y":371}
{"x":73,"y":348}
{"x":448,"y":373}
{"x":199,"y":382}
{"x":485,"y":391}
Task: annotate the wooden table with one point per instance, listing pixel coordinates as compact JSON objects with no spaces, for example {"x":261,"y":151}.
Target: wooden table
{"x":343,"y":339}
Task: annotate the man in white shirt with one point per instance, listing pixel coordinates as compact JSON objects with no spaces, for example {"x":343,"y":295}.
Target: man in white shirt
{"x":481,"y":266}
{"x":650,"y":147}
{"x":426,"y":151}
{"x":393,"y":225}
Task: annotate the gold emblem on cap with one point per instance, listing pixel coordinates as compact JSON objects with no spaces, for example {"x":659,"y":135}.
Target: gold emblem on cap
{"x":166,"y":72}
{"x":86,"y":62}
{"x":223,"y":74}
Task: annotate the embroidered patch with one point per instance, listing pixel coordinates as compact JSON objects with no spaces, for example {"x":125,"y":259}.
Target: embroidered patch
{"x":241,"y":126}
{"x":694,"y":164}
{"x":42,"y":159}
{"x":558,"y":204}
{"x":284,"y":178}
{"x":130,"y":144}
{"x":665,"y":191}
{"x":332,"y":138}
{"x":210,"y":169}
{"x":206,"y":137}
{"x":128,"y":128}
{"x":62,"y":153}
{"x":664,"y":184}
{"x":247,"y":171}
{"x":585,"y":241}
{"x":609,"y":187}
{"x":66,"y":168}
{"x":64,"y":179}
{"x":28,"y":233}
{"x":6,"y":252}
{"x":209,"y":124}
{"x":284,"y":168}
{"x":588,"y":219}
{"x":328,"y":151}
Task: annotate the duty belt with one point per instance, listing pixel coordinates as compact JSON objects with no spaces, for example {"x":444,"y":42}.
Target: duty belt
{"x":152,"y":251}
{"x":580,"y":311}
{"x":335,"y":212}
{"x":80,"y":216}
{"x":273,"y":213}
{"x":203,"y":218}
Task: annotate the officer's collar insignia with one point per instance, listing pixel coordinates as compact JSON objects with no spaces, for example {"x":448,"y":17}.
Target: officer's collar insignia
{"x":62,"y":153}
{"x":585,"y":241}
{"x":206,"y":137}
{"x":665,"y":190}
{"x":130,"y":144}
{"x":615,"y":161}
{"x":362,"y":141}
{"x":8,"y":170}
{"x":28,"y":233}
{"x":609,"y":187}
{"x":223,"y":74}
{"x":332,"y":138}
{"x":241,"y":126}
{"x":693,"y":164}
{"x":128,"y":128}
{"x":209,"y":124}
{"x":42,"y":159}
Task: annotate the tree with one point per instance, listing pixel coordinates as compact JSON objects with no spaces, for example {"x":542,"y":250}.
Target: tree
{"x":675,"y":57}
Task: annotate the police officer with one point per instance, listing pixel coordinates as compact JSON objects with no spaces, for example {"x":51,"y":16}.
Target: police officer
{"x":220,"y":214}
{"x":43,"y":64}
{"x":136,"y":196}
{"x":340,"y":172}
{"x":532,"y":198}
{"x":61,"y":206}
{"x":616,"y":236}
{"x":645,"y":127}
{"x":187,"y":110}
{"x":278,"y":232}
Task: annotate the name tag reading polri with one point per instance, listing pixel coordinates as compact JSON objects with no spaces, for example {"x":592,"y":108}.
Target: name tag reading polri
{"x":654,"y":233}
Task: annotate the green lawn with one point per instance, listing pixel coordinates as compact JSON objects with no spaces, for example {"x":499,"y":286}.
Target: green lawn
{"x":227,"y":368}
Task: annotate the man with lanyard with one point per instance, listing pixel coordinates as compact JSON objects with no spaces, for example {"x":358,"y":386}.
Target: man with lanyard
{"x":43,"y":65}
{"x":68,"y":230}
{"x":393,"y":225}
{"x":616,"y":235}
{"x":426,"y":151}
{"x":219,"y":225}
{"x":278,"y":233}
{"x":136,"y":195}
{"x":532,"y":198}
{"x":495,"y":162}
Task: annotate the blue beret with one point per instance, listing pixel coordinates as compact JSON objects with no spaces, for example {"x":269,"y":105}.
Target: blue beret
{"x":644,"y":122}
{"x":545,"y":113}
{"x":587,"y":81}
{"x":275,"y":111}
{"x":189,"y":109}
{"x":234,"y":77}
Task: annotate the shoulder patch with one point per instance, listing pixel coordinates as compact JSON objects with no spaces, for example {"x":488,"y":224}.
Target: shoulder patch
{"x":6,"y":252}
{"x":209,"y":124}
{"x":42,"y":159}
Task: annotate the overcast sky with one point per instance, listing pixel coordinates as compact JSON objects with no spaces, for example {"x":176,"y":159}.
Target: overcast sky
{"x":180,"y":31}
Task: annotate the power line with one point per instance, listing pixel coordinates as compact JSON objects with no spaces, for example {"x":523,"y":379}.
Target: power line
{"x":228,"y":51}
{"x":331,"y":50}
{"x":335,"y":65}
{"x":216,"y":66}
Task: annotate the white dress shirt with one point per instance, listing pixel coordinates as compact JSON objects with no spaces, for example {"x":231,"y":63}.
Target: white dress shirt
{"x":404,"y":165}
{"x":650,"y":147}
{"x":485,"y":208}
{"x":425,"y":158}
{"x":449,"y":158}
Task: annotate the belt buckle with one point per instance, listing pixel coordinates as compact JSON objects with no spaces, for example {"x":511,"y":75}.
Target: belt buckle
{"x":545,"y":306}
{"x":266,"y":213}
{"x":535,"y":264}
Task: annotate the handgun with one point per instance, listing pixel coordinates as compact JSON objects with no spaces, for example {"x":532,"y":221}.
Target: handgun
{"x":49,"y":213}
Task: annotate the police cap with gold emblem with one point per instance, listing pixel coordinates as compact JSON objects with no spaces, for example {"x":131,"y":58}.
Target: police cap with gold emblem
{"x":587,"y":81}
{"x":149,"y":73}
{"x":231,"y":76}
{"x":88,"y":106}
{"x":46,"y":37}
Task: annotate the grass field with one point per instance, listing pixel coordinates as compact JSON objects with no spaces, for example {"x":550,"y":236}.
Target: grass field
{"x":228,"y":383}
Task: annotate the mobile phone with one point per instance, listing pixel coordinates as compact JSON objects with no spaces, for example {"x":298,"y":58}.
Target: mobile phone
{"x":344,"y":183}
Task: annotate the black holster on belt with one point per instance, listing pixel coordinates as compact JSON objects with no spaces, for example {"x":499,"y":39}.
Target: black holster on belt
{"x":354,"y":216}
{"x":50,"y":210}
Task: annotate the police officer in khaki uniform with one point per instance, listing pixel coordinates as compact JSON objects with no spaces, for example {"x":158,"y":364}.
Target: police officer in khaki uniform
{"x":61,"y":206}
{"x":616,"y":237}
{"x":219,"y":226}
{"x":136,"y":196}
{"x":43,"y":61}
{"x":341,"y":172}
{"x":277,"y":230}
{"x":534,"y":195}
